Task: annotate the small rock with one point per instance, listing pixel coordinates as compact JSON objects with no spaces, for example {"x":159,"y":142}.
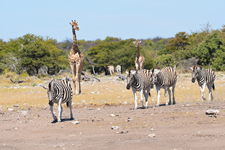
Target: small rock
{"x":129,"y":119}
{"x":212,"y":112}
{"x":15,"y":128}
{"x":98,"y":109}
{"x":15,"y":105}
{"x":114,"y":127}
{"x":83,"y":101}
{"x":112,"y":115}
{"x":24,"y":113}
{"x":10,"y":109}
{"x":151,"y":135}
{"x":124,"y":103}
{"x":75,"y":122}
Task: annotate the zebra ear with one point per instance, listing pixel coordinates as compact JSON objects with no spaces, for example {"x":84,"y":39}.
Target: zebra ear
{"x":191,"y":68}
{"x":44,"y":87}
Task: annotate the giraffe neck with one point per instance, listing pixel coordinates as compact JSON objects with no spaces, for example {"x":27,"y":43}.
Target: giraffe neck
{"x":75,"y":47}
{"x":138,"y":50}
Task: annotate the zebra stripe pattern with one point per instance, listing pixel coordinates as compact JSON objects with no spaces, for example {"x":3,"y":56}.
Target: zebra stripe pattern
{"x":165,"y":78}
{"x":140,"y":81}
{"x":59,"y":91}
{"x":204,"y":77}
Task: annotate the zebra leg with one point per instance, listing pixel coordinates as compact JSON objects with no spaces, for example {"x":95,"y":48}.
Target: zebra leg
{"x":59,"y":110}
{"x":135,"y":97}
{"x":202,"y":91}
{"x":71,"y":113}
{"x":210,"y":92}
{"x":54,"y":117}
{"x":146,"y":98}
{"x":169,"y":96}
{"x":173,"y":90}
{"x":158,"y":93}
{"x":141,"y":94}
{"x":165,"y":94}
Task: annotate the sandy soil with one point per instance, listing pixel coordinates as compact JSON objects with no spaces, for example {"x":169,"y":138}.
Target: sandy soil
{"x":183,"y":126}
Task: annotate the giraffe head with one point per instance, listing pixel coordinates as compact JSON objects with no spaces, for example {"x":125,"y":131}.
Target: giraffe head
{"x":74,"y":25}
{"x":136,"y":43}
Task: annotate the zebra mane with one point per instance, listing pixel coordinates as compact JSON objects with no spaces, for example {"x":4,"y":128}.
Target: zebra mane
{"x":155,"y":68}
{"x":197,"y":66}
{"x":133,"y":69}
{"x":49,"y":85}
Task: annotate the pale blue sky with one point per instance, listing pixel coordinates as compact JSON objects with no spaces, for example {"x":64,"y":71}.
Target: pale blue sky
{"x":139,"y":19}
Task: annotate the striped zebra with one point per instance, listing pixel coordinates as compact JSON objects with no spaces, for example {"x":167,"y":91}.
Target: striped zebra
{"x":139,"y":80}
{"x":59,"y":91}
{"x":165,"y":78}
{"x":204,"y":77}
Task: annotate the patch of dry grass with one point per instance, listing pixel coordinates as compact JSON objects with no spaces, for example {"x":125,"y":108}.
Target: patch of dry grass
{"x":107,"y":92}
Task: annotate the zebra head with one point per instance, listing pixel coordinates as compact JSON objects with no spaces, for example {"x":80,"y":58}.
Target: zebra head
{"x":51,"y":91}
{"x":130,"y":77}
{"x":195,"y":72}
{"x":154,"y":75}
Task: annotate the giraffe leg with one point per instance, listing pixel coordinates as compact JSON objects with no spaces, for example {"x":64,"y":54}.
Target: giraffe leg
{"x":76,"y":79}
{"x":79,"y":78}
{"x":73,"y":70}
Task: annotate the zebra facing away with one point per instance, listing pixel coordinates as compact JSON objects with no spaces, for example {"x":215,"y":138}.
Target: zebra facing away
{"x":59,"y":91}
{"x":204,"y":77}
{"x":165,"y":78}
{"x":139,"y":80}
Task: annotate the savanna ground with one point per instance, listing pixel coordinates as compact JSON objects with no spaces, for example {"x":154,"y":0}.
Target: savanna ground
{"x":26,"y":122}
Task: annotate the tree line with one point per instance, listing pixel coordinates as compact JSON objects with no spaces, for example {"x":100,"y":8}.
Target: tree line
{"x":30,"y":53}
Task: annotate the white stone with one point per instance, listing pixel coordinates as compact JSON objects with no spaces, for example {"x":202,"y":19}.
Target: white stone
{"x":112,"y":115}
{"x":10,"y":109}
{"x":83,"y":101}
{"x":212,"y":112}
{"x":114,"y":127}
{"x":24,"y":112}
{"x":75,"y":122}
{"x":151,"y":135}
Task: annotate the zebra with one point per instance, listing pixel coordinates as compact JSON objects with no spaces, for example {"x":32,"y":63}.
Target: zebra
{"x":204,"y":77}
{"x":139,"y":80}
{"x":118,"y":69}
{"x":59,"y":91}
{"x":165,"y":78}
{"x":111,"y":70}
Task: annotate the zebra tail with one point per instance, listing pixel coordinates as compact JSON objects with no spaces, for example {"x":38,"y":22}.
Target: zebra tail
{"x":149,"y":94}
{"x":213,"y":86}
{"x":67,"y":104}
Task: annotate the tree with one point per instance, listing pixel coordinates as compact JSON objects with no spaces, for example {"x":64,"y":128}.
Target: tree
{"x":208,"y":51}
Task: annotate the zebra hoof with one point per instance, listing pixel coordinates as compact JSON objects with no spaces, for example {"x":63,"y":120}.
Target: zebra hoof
{"x":71,"y":118}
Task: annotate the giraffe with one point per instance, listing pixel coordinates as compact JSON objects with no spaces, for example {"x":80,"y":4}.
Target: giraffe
{"x":76,"y":60}
{"x":139,"y":60}
{"x":111,"y":69}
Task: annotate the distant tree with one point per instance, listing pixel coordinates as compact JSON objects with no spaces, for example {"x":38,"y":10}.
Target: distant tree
{"x":211,"y":51}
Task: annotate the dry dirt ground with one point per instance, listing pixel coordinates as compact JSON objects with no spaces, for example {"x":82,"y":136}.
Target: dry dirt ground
{"x":106,"y":105}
